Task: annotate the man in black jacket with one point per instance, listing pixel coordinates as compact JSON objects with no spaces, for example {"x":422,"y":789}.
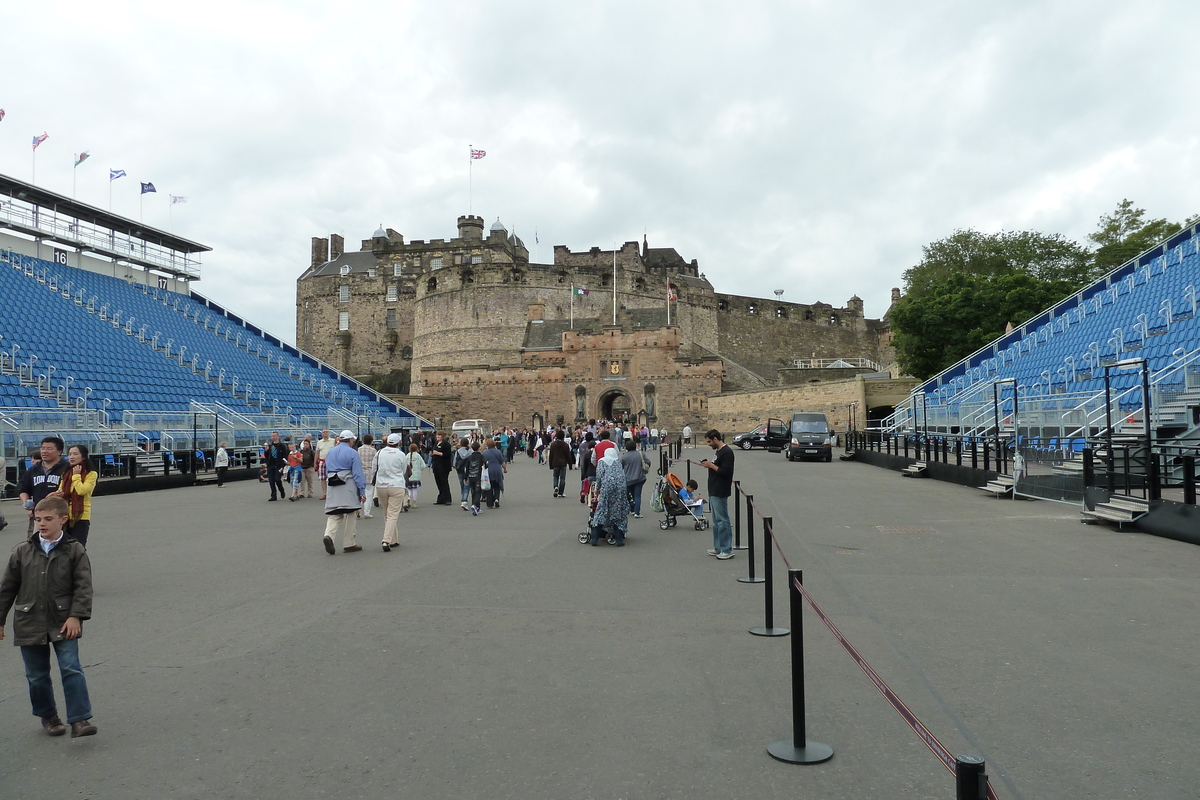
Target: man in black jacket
{"x":277,"y":453}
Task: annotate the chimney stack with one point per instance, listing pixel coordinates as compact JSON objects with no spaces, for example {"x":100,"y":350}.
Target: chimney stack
{"x":337,"y":246}
{"x":320,"y":251}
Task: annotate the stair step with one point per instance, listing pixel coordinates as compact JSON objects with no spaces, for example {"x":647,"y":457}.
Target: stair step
{"x":1133,"y":504}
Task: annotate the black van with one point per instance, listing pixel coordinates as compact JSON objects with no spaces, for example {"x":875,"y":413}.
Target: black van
{"x":811,"y":437}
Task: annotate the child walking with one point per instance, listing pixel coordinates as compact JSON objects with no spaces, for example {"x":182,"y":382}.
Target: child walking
{"x":49,"y":579}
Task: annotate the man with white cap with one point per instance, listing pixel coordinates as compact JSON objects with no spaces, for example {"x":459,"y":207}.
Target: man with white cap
{"x":346,"y":493}
{"x":391,"y":487}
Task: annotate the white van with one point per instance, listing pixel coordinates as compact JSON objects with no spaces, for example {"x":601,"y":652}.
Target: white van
{"x":463,"y":428}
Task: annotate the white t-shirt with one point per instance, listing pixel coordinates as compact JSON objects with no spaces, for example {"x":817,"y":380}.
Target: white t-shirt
{"x":687,"y":431}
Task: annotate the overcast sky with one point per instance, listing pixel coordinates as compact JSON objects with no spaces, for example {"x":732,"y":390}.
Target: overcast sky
{"x":807,"y":146}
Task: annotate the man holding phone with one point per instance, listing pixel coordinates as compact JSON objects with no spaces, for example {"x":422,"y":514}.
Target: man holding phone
{"x":720,"y":486}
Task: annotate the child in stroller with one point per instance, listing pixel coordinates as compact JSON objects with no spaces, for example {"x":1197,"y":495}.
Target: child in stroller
{"x":668,"y":493}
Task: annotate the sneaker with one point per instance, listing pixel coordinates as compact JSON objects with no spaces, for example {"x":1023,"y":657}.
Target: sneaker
{"x":387,"y":548}
{"x":725,"y":556}
{"x":474,"y":511}
{"x":367,"y":516}
{"x":328,"y":540}
{"x":464,"y":506}
{"x":637,"y":516}
{"x":713,"y":552}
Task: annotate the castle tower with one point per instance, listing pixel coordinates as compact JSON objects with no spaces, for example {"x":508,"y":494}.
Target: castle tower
{"x":470,"y":228}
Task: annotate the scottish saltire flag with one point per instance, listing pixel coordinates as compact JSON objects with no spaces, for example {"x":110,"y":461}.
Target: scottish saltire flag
{"x":177,"y":199}
{"x":478,"y":154}
{"x":148,"y":187}
{"x":39,"y":139}
{"x":577,"y":290}
{"x":113,"y":174}
{"x":82,"y":157}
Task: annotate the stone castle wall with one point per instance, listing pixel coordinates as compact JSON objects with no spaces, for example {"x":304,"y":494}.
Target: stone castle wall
{"x":737,"y":412}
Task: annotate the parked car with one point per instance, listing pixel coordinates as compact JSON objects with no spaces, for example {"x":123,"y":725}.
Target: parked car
{"x":772,"y":435}
{"x":811,"y":437}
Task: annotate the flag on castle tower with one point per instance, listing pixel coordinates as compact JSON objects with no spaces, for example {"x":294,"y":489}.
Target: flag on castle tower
{"x":579,"y":290}
{"x":478,"y":154}
{"x":39,"y":139}
{"x":671,"y":296}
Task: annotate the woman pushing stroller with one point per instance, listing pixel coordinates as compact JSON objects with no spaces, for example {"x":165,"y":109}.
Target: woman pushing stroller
{"x":610,"y":519}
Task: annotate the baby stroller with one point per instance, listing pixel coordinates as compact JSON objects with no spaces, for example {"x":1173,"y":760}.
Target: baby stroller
{"x":666,"y":495}
{"x":592,"y":493}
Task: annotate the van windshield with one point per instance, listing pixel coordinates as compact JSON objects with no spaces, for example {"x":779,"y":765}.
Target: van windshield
{"x":807,"y":426}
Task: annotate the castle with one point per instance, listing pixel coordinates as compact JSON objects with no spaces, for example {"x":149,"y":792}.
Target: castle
{"x":638,"y":331}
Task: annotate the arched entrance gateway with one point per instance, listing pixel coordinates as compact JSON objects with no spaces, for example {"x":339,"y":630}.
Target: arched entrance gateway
{"x":614,"y":404}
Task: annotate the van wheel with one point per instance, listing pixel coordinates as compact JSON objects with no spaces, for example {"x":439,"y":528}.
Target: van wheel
{"x":829,"y":457}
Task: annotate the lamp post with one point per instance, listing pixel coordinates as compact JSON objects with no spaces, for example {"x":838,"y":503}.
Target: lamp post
{"x":1144,"y":367}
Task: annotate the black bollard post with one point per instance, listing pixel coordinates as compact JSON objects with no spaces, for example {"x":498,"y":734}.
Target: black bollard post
{"x":688,"y":463}
{"x":737,"y":516}
{"x":1189,"y":480}
{"x":768,"y":627}
{"x":970,"y":781}
{"x":797,"y":749}
{"x":750,"y":541}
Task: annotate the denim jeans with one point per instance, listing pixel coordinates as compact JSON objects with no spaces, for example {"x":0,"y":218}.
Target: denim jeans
{"x":722,"y":532}
{"x":560,"y":480}
{"x":41,"y":691}
{"x":465,"y":486}
{"x":635,"y":496}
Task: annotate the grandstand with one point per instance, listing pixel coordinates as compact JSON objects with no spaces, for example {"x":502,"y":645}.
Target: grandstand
{"x":1075,"y":377}
{"x":131,"y":360}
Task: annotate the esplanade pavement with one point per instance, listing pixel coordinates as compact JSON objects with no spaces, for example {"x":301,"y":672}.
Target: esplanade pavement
{"x":497,"y":657}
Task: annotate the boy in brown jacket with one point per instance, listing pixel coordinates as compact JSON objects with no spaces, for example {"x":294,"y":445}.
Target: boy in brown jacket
{"x":49,"y":582}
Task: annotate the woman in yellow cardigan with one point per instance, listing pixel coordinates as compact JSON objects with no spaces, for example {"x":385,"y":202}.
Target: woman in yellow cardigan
{"x":78,"y":483}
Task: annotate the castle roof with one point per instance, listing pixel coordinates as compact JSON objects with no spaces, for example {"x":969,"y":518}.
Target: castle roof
{"x":359,"y":261}
{"x":664,"y":257}
{"x":498,"y":226}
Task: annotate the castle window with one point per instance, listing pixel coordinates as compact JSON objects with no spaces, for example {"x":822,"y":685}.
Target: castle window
{"x":808,"y":313}
{"x":753,"y":308}
{"x":781,"y":313}
{"x":391,"y":318}
{"x":517,"y":276}
{"x":343,"y":320}
{"x":345,"y":270}
{"x":562,"y":277}
{"x":606,"y":279}
{"x":722,"y":305}
{"x":640,"y":284}
{"x":370,"y":272}
{"x":395,"y":270}
{"x":833,"y":320}
{"x":468,"y":276}
{"x":431,"y":286}
{"x":344,"y":293}
{"x":435,"y":263}
{"x":306,"y":326}
{"x":392,"y":293}
{"x":476,"y":259}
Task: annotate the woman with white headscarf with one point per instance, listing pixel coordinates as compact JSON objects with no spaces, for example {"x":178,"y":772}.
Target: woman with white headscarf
{"x":611,"y":517}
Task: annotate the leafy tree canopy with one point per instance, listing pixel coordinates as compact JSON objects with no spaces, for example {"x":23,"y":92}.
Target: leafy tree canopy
{"x":969,"y":286}
{"x":1126,"y":232}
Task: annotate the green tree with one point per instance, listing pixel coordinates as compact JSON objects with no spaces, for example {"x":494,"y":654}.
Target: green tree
{"x":969,"y":286}
{"x":1125,"y":233}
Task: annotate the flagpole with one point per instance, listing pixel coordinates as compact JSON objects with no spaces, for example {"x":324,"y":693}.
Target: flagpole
{"x":74,"y":176}
{"x":614,"y":283}
{"x":668,"y":301}
{"x":572,"y":306}
{"x":470,"y":179}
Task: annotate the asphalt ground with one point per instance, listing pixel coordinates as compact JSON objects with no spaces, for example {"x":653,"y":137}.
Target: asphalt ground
{"x":497,"y":657}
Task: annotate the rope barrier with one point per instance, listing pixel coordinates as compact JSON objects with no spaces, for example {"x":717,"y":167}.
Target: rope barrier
{"x":949,"y":761}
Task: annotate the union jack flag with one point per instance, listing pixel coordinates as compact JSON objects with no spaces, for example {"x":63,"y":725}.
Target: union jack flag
{"x":39,"y":139}
{"x":1,"y":114}
{"x":478,"y":154}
